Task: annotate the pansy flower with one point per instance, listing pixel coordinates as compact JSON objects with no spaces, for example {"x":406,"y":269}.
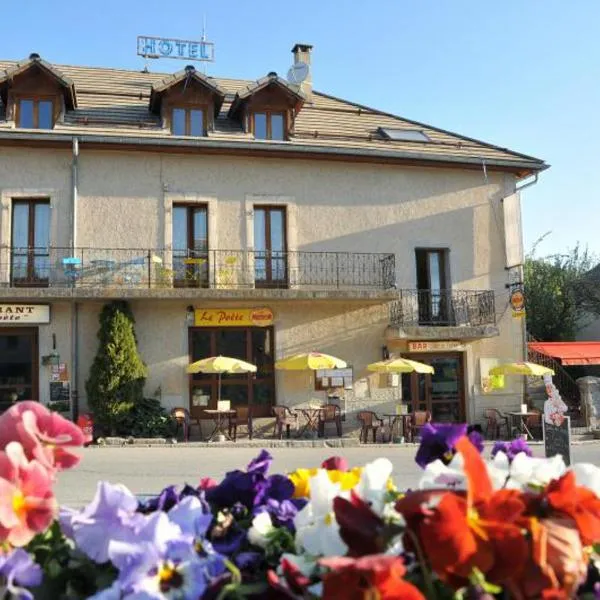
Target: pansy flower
{"x":19,"y":572}
{"x":437,"y":442}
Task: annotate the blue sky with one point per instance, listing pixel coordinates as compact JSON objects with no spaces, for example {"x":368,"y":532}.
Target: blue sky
{"x":518,"y":73}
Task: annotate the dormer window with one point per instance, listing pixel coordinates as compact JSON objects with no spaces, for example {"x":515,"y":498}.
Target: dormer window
{"x":35,"y":113}
{"x":188,"y":121}
{"x":269,"y":125}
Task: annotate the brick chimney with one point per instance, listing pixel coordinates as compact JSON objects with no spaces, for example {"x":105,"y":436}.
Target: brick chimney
{"x":302,"y":53}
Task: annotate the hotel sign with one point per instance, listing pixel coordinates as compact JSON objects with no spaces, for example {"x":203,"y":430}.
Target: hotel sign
{"x":233,"y":317}
{"x":444,"y":346}
{"x":155,"y":47}
{"x":24,"y":313}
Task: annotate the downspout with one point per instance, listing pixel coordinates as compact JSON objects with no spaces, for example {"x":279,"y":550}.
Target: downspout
{"x":74,"y":305}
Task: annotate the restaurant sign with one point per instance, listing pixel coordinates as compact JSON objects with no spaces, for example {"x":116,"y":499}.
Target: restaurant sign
{"x":443,"y":346}
{"x":155,"y":47}
{"x":233,"y":317}
{"x":24,"y":313}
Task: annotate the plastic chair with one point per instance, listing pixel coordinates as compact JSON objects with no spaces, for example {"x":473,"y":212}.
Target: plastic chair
{"x":284,"y":417}
{"x":184,"y":419}
{"x":495,"y":420}
{"x":369,"y":421}
{"x":330,"y":413}
{"x":242,"y":416}
{"x":419,"y":419}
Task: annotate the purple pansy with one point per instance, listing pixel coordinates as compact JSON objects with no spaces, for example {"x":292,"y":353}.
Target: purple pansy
{"x":19,"y":571}
{"x":437,"y":442}
{"x":477,"y":440}
{"x":110,"y":516}
{"x":511,"y":449}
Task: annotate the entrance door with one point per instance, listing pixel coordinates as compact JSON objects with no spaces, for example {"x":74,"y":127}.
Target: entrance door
{"x":441,"y":393}
{"x":251,"y":344}
{"x":18,"y":365}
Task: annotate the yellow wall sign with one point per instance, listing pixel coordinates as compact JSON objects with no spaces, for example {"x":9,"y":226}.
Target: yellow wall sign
{"x":517,"y":301}
{"x":233,"y":317}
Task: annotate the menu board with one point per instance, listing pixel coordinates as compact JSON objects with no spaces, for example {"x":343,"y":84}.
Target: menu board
{"x":60,"y":391}
{"x":557,"y":439}
{"x":326,"y":379}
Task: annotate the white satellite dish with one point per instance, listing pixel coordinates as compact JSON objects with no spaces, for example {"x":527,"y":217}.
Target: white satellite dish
{"x":298,"y":72}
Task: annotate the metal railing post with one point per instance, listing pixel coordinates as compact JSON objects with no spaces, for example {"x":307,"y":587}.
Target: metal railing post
{"x":149,"y":269}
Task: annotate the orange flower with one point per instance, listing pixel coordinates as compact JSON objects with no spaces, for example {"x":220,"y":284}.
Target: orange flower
{"x":482,"y":530}
{"x":375,"y":576}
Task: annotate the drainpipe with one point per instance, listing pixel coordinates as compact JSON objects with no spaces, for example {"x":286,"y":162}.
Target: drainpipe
{"x":74,"y":305}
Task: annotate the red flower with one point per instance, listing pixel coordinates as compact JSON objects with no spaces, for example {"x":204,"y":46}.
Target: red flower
{"x":44,"y":435}
{"x":376,"y":576}
{"x":335,"y":463}
{"x":481,"y":530}
{"x":206,"y":483}
{"x":360,"y":528}
{"x":291,"y":585}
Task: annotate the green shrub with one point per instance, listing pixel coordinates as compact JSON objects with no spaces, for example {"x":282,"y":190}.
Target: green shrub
{"x":145,"y":418}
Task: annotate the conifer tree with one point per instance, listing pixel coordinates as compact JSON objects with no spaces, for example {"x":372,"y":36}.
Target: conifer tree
{"x":118,"y":373}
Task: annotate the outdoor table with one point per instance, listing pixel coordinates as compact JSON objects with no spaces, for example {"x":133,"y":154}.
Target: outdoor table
{"x":394,"y":418}
{"x":312,"y":420}
{"x":518,"y":420}
{"x":220,"y":419}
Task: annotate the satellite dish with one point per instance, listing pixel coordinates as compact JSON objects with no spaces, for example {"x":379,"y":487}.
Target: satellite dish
{"x":298,"y":72}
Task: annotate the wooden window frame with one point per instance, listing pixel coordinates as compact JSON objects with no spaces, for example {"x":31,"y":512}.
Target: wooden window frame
{"x":269,"y":113}
{"x":188,"y":108}
{"x":190,"y":207}
{"x":36,"y":99}
{"x":269,"y":281}
{"x":29,"y":281}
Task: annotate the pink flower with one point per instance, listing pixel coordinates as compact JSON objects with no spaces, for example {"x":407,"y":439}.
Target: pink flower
{"x":27,"y":504}
{"x":44,"y":435}
{"x":206,"y":483}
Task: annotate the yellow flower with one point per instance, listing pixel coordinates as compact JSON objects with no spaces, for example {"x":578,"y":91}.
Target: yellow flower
{"x":301,"y":480}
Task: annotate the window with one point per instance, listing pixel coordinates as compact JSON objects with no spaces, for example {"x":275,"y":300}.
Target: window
{"x":35,"y":114}
{"x":270,"y":247}
{"x":190,"y":245}
{"x":188,"y":121}
{"x":432,"y":284}
{"x":404,"y":135}
{"x":30,"y":253}
{"x":269,"y":125}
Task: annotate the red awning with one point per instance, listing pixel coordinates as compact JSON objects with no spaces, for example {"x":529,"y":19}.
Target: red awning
{"x":570,"y":353}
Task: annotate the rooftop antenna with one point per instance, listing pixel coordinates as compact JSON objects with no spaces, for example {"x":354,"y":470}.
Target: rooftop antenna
{"x":204,"y":38}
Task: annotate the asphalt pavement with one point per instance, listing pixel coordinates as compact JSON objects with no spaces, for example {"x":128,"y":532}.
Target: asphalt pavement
{"x":147,"y":470}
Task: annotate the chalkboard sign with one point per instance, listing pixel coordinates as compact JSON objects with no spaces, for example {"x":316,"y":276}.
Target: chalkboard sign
{"x":59,"y":391}
{"x":557,"y":439}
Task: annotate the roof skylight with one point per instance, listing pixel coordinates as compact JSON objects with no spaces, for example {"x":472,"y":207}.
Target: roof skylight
{"x":404,"y":135}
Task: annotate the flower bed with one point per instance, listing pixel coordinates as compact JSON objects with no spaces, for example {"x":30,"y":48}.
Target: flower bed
{"x":512,"y":527}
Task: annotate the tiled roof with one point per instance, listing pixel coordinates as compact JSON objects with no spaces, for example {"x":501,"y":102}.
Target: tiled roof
{"x":112,"y":102}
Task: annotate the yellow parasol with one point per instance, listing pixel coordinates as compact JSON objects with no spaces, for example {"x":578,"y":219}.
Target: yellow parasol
{"x":310,"y":360}
{"x":400,"y":365}
{"x":521,"y":368}
{"x":220,"y":365}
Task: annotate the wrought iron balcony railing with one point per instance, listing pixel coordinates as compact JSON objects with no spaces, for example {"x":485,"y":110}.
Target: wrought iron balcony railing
{"x":220,"y":269}
{"x":443,"y":308}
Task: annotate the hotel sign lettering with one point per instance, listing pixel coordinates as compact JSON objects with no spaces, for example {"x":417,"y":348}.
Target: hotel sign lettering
{"x":155,"y":47}
{"x":233,"y":317}
{"x":24,"y":313}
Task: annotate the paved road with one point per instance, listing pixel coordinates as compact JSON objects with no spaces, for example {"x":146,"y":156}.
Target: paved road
{"x":148,"y":470}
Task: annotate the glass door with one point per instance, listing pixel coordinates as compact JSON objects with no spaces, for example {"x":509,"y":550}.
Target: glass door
{"x":190,"y":245}
{"x":18,"y":366}
{"x":270,"y":247}
{"x":441,"y":393}
{"x":433,"y":300}
{"x":30,"y":263}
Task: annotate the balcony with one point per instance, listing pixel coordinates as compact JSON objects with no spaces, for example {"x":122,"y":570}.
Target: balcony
{"x":111,"y":272}
{"x":443,"y":314}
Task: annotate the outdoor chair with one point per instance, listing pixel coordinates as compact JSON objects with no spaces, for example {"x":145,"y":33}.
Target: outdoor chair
{"x":184,"y":421}
{"x":243,"y":417}
{"x":284,"y":417}
{"x":369,"y":421}
{"x":494,"y":421}
{"x":419,"y":419}
{"x":534,"y":424}
{"x":330,"y":413}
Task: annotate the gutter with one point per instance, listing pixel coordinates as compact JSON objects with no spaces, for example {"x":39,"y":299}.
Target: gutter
{"x":74,"y":304}
{"x":268,"y":147}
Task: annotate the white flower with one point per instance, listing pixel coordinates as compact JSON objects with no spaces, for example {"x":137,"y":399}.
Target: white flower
{"x":317,"y":531}
{"x":262,"y":526}
{"x":372,"y":486}
{"x":533,"y":472}
{"x":587,"y":475}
